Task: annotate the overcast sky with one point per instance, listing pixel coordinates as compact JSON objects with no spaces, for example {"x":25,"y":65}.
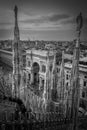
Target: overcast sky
{"x":43,"y":19}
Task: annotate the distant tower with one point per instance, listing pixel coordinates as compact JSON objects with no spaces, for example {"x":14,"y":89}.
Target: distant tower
{"x":16,"y":58}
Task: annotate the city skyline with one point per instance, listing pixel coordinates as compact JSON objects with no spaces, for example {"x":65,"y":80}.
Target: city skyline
{"x":42,"y":20}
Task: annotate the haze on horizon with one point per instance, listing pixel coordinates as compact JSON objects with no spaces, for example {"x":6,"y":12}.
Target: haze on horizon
{"x":43,"y":20}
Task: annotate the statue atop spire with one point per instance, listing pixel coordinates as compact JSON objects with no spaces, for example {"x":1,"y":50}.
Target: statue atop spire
{"x":16,"y":10}
{"x":16,"y":29}
{"x":79,"y":21}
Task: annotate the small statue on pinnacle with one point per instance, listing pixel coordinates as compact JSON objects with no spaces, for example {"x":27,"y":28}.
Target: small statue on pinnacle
{"x":15,"y":9}
{"x":79,"y":21}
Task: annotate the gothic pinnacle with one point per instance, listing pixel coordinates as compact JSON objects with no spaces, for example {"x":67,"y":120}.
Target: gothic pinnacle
{"x":16,"y":30}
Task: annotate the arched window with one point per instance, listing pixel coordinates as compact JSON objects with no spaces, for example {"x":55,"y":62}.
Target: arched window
{"x":58,"y":70}
{"x":36,"y":69}
{"x":85,"y":76}
{"x":84,"y":83}
{"x":42,"y":82}
{"x":67,"y":86}
{"x":43,"y":68}
{"x":29,"y":76}
{"x":29,"y":63}
{"x":67,"y":77}
{"x":83,"y":94}
{"x":51,"y":67}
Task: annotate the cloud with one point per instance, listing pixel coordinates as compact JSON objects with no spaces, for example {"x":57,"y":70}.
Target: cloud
{"x":70,"y":20}
{"x":43,"y":26}
{"x":49,"y":21}
{"x":34,"y":22}
{"x":45,"y":18}
{"x":6,"y":26}
{"x":42,"y":22}
{"x":57,"y":17}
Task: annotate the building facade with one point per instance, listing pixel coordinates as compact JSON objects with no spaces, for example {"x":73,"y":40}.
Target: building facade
{"x":39,"y":78}
{"x":82,"y":80}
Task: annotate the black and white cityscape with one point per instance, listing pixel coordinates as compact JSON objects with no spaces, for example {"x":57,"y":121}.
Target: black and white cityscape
{"x":43,"y":65}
